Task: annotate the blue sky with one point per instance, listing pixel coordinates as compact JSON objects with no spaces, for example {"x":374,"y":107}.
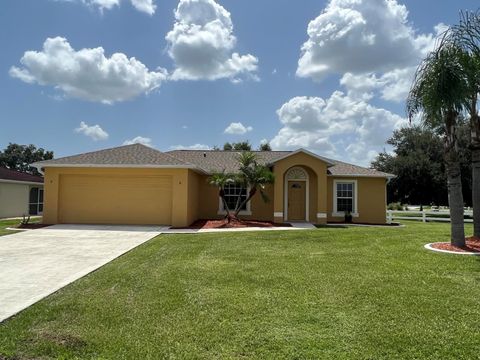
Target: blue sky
{"x":224,"y":62}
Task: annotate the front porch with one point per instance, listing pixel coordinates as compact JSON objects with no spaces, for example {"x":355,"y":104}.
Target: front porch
{"x":300,"y":190}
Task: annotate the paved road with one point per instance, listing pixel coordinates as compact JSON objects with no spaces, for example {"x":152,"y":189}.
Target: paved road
{"x":36,"y":263}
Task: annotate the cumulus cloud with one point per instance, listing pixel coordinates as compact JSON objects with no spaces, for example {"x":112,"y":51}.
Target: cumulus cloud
{"x":139,"y":140}
{"x":146,"y":6}
{"x":94,"y":132}
{"x":237,"y":128}
{"x":87,"y":73}
{"x":190,"y":147}
{"x":361,"y":36}
{"x":370,"y":43}
{"x":201,"y":44}
{"x":340,"y":126}
{"x":392,"y":85}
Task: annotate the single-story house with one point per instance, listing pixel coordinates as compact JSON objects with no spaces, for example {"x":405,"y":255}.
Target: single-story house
{"x":136,"y":184}
{"x":20,"y":193}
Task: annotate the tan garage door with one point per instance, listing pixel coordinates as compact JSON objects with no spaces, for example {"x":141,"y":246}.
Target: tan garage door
{"x":90,"y":199}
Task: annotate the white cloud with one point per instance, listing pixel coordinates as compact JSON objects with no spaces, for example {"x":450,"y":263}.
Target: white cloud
{"x":392,"y":85}
{"x":237,"y":128}
{"x":370,"y":43}
{"x":340,"y":126}
{"x":146,"y":6}
{"x":94,"y":132}
{"x":87,"y":74}
{"x":361,"y":36}
{"x":190,"y":147}
{"x":139,"y":140}
{"x":201,"y":44}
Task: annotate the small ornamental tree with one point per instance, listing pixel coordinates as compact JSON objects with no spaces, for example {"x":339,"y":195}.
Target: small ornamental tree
{"x":251,"y":175}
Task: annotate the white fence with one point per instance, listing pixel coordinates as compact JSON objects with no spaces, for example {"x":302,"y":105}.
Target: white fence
{"x":425,"y":215}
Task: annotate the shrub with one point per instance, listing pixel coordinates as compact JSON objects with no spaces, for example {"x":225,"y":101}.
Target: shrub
{"x":395,"y":206}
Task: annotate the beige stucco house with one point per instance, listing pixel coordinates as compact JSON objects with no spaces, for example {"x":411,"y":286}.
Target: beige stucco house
{"x":20,"y":193}
{"x":135,"y":184}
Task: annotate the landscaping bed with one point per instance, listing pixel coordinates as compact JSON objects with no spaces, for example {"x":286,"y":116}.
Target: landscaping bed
{"x":472,"y":245}
{"x":223,"y":224}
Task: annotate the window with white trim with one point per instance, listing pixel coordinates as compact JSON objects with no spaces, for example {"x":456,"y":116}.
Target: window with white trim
{"x":345,"y":199}
{"x":232,"y":192}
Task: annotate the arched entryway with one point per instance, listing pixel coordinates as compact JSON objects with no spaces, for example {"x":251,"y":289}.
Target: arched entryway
{"x":296,"y":194}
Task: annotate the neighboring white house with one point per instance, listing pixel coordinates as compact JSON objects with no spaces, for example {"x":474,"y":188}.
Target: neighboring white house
{"x":20,"y":193}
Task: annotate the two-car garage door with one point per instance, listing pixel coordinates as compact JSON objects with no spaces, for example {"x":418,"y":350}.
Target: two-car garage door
{"x":91,"y":199}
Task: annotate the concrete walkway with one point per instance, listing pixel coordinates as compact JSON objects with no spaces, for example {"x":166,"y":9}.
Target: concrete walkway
{"x":34,"y":264}
{"x":294,"y":226}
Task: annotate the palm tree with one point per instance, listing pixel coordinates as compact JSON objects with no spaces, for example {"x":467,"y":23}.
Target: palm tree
{"x":467,"y":36}
{"x":220,"y":180}
{"x":253,"y":176}
{"x":437,"y":95}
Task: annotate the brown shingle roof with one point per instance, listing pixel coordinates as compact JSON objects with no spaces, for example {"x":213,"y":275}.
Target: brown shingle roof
{"x":135,"y":155}
{"x":216,"y":161}
{"x":344,"y":169}
{"x":13,"y":175}
{"x":208,"y":161}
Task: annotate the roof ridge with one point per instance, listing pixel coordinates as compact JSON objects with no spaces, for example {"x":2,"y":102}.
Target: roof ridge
{"x":220,"y":151}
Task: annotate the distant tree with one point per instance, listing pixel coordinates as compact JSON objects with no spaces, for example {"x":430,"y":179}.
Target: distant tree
{"x":418,"y":163}
{"x":19,"y":157}
{"x":242,"y":146}
{"x":216,"y":148}
{"x":239,"y":146}
{"x":265,"y":147}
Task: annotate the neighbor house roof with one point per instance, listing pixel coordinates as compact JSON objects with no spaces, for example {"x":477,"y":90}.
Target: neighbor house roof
{"x":207,"y":161}
{"x":18,"y":176}
{"x":136,"y":155}
{"x":217,"y":161}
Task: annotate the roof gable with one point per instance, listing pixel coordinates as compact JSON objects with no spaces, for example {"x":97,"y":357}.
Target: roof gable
{"x":309,"y":153}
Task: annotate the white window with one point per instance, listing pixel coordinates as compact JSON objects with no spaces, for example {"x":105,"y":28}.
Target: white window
{"x":35,"y":206}
{"x":233,"y":192}
{"x":345,"y":197}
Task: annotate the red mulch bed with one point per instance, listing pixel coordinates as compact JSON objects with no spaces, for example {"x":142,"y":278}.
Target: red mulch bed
{"x":472,"y":245}
{"x":222,"y":224}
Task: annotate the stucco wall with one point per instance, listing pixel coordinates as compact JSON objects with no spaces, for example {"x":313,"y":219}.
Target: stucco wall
{"x":193,"y":196}
{"x":14,"y":199}
{"x":209,"y":205}
{"x":317,"y":170}
{"x":371,"y":200}
{"x":179,"y":199}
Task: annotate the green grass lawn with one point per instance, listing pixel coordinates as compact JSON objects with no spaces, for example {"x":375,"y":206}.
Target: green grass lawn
{"x":4,"y":224}
{"x":355,"y":293}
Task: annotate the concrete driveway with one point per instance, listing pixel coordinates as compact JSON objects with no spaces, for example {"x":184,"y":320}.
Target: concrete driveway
{"x":36,"y":263}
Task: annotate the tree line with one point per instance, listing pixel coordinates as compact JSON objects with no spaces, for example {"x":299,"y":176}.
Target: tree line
{"x":418,"y":163}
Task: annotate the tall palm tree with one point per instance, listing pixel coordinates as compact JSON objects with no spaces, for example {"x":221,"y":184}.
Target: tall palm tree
{"x":437,"y":95}
{"x":467,"y":36}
